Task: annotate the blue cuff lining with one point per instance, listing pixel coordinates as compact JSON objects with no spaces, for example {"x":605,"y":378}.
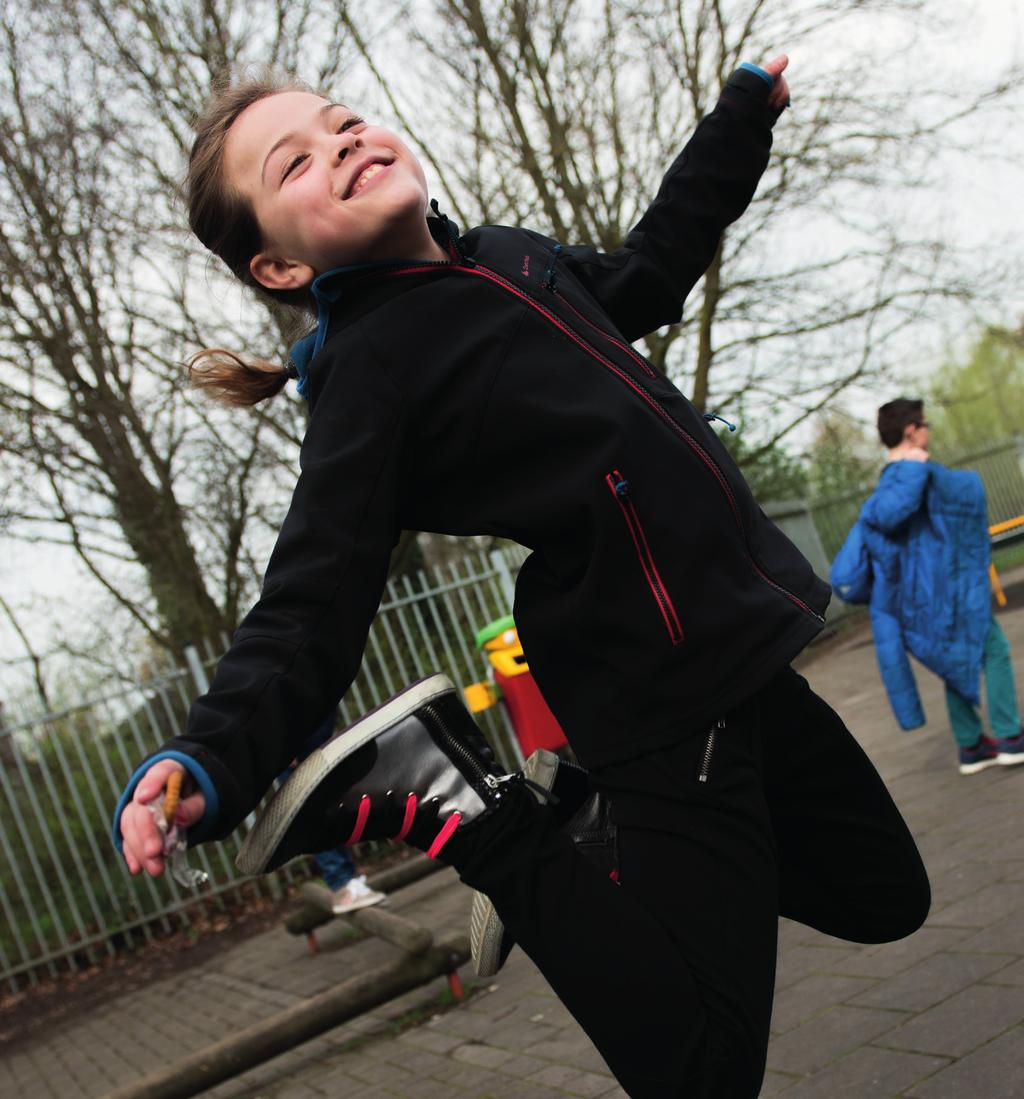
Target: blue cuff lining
{"x":198,"y":831}
{"x":759,"y":71}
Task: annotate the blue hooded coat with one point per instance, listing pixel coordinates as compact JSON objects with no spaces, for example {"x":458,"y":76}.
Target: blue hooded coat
{"x":925,"y":528}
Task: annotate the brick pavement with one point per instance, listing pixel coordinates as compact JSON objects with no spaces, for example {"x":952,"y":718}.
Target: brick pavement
{"x":936,"y":1016}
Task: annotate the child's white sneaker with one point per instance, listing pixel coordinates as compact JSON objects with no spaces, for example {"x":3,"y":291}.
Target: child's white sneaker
{"x":357,"y":894}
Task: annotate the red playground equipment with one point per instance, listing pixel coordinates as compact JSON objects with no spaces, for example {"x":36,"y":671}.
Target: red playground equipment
{"x":533,"y":723}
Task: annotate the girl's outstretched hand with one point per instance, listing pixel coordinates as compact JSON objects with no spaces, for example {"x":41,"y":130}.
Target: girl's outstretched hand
{"x":141,"y":839}
{"x":778,"y":97}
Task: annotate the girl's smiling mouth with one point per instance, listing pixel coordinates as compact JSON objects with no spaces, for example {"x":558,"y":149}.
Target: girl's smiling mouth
{"x":364,"y":175}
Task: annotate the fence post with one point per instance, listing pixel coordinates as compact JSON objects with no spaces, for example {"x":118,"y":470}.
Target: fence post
{"x":196,"y":669}
{"x":508,"y":585}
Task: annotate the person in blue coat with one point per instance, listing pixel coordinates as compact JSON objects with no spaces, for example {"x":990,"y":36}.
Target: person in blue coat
{"x":925,"y":529}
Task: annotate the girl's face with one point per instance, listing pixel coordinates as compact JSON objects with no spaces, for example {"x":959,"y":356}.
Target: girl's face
{"x":327,"y":189}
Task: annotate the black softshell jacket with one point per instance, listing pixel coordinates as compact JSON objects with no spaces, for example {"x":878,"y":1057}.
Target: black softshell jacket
{"x":499,"y":394}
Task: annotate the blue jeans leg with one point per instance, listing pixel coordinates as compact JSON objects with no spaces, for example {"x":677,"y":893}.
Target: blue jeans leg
{"x":337,"y":867}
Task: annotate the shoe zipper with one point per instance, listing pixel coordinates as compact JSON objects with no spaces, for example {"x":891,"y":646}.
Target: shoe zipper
{"x":709,"y":749}
{"x":470,"y":267}
{"x":619,"y":487}
{"x":457,"y":748}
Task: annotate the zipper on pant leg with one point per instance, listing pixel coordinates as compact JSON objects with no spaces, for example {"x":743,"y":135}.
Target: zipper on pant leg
{"x":709,"y":750}
{"x":619,"y":487}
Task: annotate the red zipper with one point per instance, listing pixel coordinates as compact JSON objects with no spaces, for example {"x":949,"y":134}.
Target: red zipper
{"x":640,"y":361}
{"x":663,"y":414}
{"x":619,"y":488}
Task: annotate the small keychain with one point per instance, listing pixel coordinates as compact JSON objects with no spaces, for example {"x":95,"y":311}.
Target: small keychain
{"x":163,"y":809}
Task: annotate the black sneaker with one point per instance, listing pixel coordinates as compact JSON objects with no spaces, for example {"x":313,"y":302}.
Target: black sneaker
{"x":583,"y":813}
{"x":415,"y":769}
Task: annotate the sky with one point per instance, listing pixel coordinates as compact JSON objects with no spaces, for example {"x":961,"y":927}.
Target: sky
{"x":981,"y":207}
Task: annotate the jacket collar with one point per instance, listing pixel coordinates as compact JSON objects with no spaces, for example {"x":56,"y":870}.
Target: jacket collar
{"x":328,"y":288}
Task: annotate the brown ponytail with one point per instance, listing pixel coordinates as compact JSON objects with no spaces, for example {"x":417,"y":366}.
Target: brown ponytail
{"x":224,"y":221}
{"x":228,"y":378}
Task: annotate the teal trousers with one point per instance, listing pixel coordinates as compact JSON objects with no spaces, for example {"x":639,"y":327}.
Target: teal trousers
{"x":1000,"y":690}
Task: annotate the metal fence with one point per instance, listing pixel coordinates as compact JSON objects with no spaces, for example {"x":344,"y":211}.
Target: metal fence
{"x":65,"y":895}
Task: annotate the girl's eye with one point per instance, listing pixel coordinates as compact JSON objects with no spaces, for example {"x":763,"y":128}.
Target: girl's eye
{"x":352,"y":120}
{"x":293,"y":164}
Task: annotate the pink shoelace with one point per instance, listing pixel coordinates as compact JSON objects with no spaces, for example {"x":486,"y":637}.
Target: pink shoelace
{"x":411,"y":802}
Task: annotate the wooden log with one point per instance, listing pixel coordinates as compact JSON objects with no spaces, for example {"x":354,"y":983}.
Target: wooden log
{"x":394,"y":929}
{"x":262,"y":1041}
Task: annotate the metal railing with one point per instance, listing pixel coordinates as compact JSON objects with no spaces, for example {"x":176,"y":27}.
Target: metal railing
{"x":65,"y":895}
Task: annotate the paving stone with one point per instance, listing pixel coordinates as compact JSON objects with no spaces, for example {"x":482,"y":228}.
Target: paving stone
{"x":554,"y":1076}
{"x":814,"y":1044}
{"x":1005,"y":936}
{"x":1011,"y":975}
{"x":801,"y":961}
{"x":486,"y":1056}
{"x":522,"y":1065}
{"x":994,"y":1071}
{"x":961,"y":1023}
{"x":775,"y":1083}
{"x":867,"y":1073}
{"x":931,"y":981}
{"x":987,"y":906}
{"x":964,"y":880}
{"x":591,"y":1084}
{"x":812,"y":995}
{"x":886,"y":959}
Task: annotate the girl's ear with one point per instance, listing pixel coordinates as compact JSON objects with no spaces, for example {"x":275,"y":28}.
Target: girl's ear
{"x":280,"y":274}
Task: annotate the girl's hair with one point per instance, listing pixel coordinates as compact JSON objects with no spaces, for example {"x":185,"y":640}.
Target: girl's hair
{"x":224,"y":221}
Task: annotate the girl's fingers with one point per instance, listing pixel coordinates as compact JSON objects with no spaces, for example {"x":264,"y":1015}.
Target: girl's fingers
{"x":774,"y":67}
{"x":190,"y":811}
{"x":141,"y":839}
{"x":154,"y":780}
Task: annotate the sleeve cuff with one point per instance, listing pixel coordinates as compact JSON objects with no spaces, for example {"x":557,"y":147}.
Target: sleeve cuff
{"x":747,"y":66}
{"x":749,"y":88}
{"x":198,"y":832}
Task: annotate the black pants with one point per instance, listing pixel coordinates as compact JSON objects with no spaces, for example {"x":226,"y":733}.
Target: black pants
{"x":671,"y":971}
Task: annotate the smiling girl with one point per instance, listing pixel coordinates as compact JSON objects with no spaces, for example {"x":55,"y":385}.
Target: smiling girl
{"x":659,"y":607}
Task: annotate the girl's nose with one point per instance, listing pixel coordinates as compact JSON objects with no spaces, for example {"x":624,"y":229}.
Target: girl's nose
{"x":349,"y":143}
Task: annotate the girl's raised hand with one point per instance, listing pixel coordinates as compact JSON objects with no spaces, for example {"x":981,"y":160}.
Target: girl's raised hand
{"x":142,"y":841}
{"x":778,"y":97}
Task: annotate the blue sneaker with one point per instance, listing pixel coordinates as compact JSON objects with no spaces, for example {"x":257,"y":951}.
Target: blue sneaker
{"x":983,"y":754}
{"x":1011,"y":749}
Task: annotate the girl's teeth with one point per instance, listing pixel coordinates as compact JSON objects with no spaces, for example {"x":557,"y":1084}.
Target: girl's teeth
{"x":366,"y":176}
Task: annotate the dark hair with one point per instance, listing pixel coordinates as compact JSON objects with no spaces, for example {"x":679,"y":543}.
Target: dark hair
{"x":894,"y":418}
{"x":224,"y":221}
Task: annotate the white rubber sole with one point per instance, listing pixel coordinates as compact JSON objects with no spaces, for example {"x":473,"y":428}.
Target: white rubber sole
{"x":981,"y":765}
{"x":486,"y":930}
{"x":273,"y":823}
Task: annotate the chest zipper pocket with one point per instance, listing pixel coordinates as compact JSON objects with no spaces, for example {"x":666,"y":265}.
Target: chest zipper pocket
{"x":619,"y":488}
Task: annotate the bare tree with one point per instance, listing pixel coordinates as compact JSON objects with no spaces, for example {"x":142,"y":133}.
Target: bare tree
{"x":168,"y":504}
{"x":561,"y":114}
